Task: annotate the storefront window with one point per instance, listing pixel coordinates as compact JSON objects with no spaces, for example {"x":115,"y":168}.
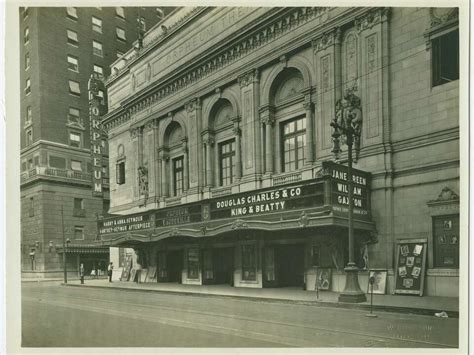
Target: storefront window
{"x":446,"y":241}
{"x":249,"y":262}
{"x":193,"y":263}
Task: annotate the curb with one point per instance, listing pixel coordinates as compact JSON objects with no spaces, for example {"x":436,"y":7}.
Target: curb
{"x":366,"y":307}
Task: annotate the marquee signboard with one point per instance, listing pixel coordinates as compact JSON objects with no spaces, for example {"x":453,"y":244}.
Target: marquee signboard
{"x":339,"y":190}
{"x":123,"y":224}
{"x":285,"y":198}
{"x":268,"y":201}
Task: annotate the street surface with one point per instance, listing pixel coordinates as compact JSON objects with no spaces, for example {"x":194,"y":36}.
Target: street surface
{"x":59,"y":316}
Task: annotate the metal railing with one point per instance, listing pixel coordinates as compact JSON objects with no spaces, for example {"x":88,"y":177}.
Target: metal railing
{"x":286,"y":178}
{"x":54,"y":172}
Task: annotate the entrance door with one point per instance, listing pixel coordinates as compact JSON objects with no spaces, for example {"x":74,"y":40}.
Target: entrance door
{"x":162,"y":272}
{"x":269,"y":270}
{"x":208,"y":266}
{"x":290,"y":265}
{"x":174,"y":263}
{"x":224,"y":265}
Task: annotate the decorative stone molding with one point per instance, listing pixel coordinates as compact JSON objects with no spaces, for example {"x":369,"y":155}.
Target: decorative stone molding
{"x":239,"y":224}
{"x":267,"y":120}
{"x":442,"y":15}
{"x":279,"y":27}
{"x":193,"y":105}
{"x":237,"y":131}
{"x":441,"y":21}
{"x":372,"y":18}
{"x":135,"y":132}
{"x":248,"y":78}
{"x":446,"y":196}
{"x":327,"y":40}
{"x":143,"y":181}
{"x":303,"y":221}
{"x":208,"y":141}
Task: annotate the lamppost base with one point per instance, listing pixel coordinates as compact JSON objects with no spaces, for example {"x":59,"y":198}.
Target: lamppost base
{"x":352,"y":292}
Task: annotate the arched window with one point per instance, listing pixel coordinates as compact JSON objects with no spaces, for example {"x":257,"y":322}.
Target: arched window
{"x":289,"y":114}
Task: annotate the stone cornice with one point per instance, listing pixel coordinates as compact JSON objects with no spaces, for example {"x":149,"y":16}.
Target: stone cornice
{"x":287,"y":21}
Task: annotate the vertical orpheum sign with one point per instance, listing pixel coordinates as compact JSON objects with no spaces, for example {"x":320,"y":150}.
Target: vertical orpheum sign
{"x":96,"y":109}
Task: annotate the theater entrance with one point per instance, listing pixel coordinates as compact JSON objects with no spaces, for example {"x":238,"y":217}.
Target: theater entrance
{"x":218,"y":266}
{"x":170,"y":264}
{"x":283,"y":265}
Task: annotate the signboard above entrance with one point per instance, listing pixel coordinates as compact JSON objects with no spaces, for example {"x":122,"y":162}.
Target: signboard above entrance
{"x":329,"y":191}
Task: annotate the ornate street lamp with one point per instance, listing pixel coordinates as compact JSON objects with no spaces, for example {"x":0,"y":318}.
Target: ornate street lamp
{"x":347,"y":127}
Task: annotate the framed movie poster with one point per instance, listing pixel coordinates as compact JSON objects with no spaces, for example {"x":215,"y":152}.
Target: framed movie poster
{"x":323,"y":279}
{"x":126,"y":268}
{"x":410,"y":266}
{"x":380,"y":281}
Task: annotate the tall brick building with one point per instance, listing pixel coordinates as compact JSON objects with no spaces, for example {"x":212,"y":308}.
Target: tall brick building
{"x":60,"y":49}
{"x":221,"y":147}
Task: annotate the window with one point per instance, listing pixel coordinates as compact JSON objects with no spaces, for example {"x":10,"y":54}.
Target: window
{"x":97,"y":48}
{"x":78,"y":203}
{"x":27,"y":61}
{"x":119,"y":54}
{"x":120,"y":173}
{"x":249,"y":262}
{"x":142,"y":24}
{"x":75,"y":139}
{"x":120,"y":12}
{"x":76,"y":165}
{"x":30,"y":164}
{"x":74,"y":88}
{"x":121,"y":34}
{"x":78,"y":210}
{"x":193,"y":263}
{"x":29,"y":137}
{"x":31,"y":208}
{"x":57,"y":162}
{"x":71,"y":13}
{"x":98,"y":70}
{"x":96,"y":24}
{"x":72,"y":63}
{"x":293,"y":144}
{"x":178,"y":180}
{"x":74,"y":115}
{"x":226,"y":162}
{"x":72,"y":38}
{"x":445,"y":58}
{"x":105,"y":206}
{"x":28,"y":86}
{"x":26,"y":35}
{"x":29,"y":115}
{"x":446,"y":241}
{"x":78,"y":232}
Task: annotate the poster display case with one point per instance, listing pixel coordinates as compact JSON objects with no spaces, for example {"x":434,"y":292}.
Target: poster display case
{"x":411,"y":266}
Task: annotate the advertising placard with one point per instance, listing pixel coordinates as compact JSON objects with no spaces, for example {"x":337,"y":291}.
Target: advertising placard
{"x":410,"y":266}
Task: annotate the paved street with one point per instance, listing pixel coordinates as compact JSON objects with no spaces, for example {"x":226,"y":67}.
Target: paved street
{"x":59,"y":316}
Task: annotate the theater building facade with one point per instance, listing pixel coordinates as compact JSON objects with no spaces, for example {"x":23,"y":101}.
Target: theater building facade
{"x":220,"y":141}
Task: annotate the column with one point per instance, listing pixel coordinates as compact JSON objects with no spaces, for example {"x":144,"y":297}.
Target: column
{"x":185,"y":164}
{"x":164,"y":181}
{"x":209,"y":142}
{"x":269,"y":123}
{"x":238,"y":149}
{"x":308,"y":106}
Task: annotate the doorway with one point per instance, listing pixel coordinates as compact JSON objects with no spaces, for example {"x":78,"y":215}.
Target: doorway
{"x":289,"y":265}
{"x":218,"y":266}
{"x":170,"y":264}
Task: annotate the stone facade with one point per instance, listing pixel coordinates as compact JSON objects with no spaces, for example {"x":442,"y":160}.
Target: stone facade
{"x":252,"y":71}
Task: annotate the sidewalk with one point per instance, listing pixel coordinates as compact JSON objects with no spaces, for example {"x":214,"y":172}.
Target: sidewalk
{"x":426,"y":305}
